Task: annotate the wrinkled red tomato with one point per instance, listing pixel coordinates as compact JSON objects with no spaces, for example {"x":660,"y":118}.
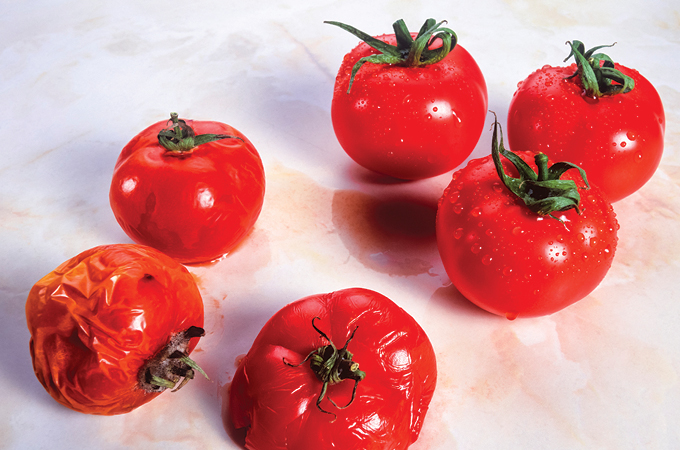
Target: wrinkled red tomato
{"x":613,"y":129}
{"x":519,"y":238}
{"x":409,"y":108}
{"x":191,"y":189}
{"x":113,"y":327}
{"x":300,"y":386}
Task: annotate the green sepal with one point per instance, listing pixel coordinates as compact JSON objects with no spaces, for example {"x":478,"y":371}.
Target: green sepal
{"x":180,"y":138}
{"x":597,"y":72}
{"x":543,"y":192}
{"x":408,"y":51}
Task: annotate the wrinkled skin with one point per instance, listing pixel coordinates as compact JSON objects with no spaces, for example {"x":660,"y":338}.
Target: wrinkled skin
{"x":409,"y":122}
{"x":277,"y":403}
{"x":618,"y":140}
{"x":97,"y":318}
{"x":195,"y":207}
{"x":509,"y":260}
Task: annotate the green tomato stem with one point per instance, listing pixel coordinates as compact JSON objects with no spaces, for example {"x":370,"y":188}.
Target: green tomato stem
{"x":331,"y":366}
{"x":544,"y":192}
{"x":408,"y":52}
{"x":179,"y":138}
{"x":597,"y":72}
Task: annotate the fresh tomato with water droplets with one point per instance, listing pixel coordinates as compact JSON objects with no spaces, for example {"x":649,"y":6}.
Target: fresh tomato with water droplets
{"x":349,"y":370}
{"x":191,"y":189}
{"x":613,"y":129}
{"x":409,"y":108}
{"x":524,"y":246}
{"x":113,"y":327}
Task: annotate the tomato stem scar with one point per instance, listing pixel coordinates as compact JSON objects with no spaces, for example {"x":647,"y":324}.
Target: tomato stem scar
{"x":331,"y":366}
{"x":180,"y":139}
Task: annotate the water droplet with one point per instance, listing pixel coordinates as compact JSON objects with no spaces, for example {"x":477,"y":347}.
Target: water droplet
{"x":486,"y":260}
{"x":476,"y":248}
{"x":631,"y":136}
{"x":511,"y":315}
{"x":476,"y":212}
{"x":489,"y":232}
{"x":429,"y":116}
{"x":517,"y":231}
{"x":457,"y":208}
{"x":584,"y":257}
{"x":593,"y":242}
{"x":507,"y":271}
{"x":497,"y":187}
{"x":458,"y":233}
{"x":623,"y":144}
{"x":435,"y":109}
{"x":638,"y":157}
{"x":581,"y":237}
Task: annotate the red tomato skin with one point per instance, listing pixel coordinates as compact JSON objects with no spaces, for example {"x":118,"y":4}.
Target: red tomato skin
{"x":195,"y":208}
{"x":409,"y":122}
{"x":513,"y":262}
{"x":618,"y":140}
{"x":98,"y":317}
{"x":277,"y":403}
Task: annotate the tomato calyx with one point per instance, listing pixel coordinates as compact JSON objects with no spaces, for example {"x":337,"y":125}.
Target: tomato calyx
{"x":597,"y":72}
{"x":171,"y":368}
{"x":180,"y":139}
{"x":544,"y":192}
{"x":408,"y":52}
{"x":332,"y":366}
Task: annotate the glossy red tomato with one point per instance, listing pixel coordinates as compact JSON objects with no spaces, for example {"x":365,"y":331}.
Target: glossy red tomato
{"x":524,"y":259}
{"x":617,"y":138}
{"x":194,"y":200}
{"x":305,"y":361}
{"x":113,"y":327}
{"x":409,"y":121}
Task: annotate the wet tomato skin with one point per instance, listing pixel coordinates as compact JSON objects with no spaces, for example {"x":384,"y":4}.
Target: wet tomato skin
{"x":618,"y":139}
{"x":276,"y":403}
{"x":195,"y":207}
{"x":98,"y":317}
{"x":511,"y":261}
{"x":409,"y":122}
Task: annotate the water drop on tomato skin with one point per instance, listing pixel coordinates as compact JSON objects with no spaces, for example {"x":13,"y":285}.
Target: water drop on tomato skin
{"x":486,"y":260}
{"x":458,"y":233}
{"x":511,"y":315}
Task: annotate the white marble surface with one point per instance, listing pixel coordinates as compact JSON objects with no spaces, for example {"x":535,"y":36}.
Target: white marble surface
{"x":78,"y":79}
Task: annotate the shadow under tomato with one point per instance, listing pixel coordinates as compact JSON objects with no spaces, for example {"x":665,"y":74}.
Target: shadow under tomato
{"x":237,"y":435}
{"x":450,"y":298}
{"x":393,"y":235}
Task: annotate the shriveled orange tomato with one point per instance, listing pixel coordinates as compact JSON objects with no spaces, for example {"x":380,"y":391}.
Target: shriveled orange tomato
{"x":113,"y":327}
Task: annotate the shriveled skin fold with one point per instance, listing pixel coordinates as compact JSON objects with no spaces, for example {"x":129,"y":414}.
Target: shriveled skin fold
{"x":99,"y":316}
{"x":277,"y":402}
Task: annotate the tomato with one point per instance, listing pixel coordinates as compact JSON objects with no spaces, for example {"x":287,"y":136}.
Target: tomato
{"x":413,"y":112}
{"x":106,"y":322}
{"x":193,"y":197}
{"x":530,"y":254}
{"x":616,"y":134}
{"x":300,"y":385}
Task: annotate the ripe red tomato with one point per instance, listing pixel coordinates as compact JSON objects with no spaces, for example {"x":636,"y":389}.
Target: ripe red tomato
{"x":195,"y":199}
{"x":288,"y":402}
{"x":409,"y":115}
{"x":106,"y":322}
{"x":616,"y":136}
{"x":524,"y":259}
